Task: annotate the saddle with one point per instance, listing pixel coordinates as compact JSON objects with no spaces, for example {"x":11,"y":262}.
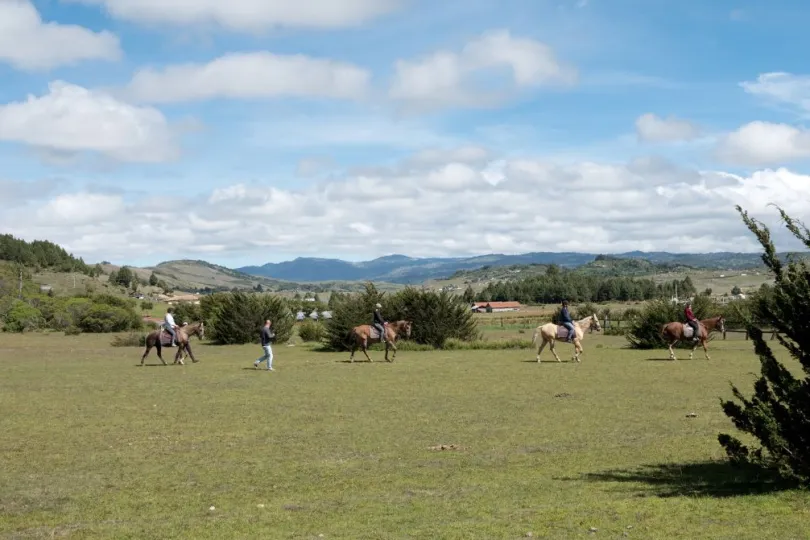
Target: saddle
{"x":165,"y":338}
{"x":374,"y":333}
{"x":688,"y":331}
{"x":562,"y":332}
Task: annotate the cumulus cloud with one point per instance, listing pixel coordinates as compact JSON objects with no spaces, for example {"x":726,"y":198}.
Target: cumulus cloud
{"x":71,"y":118}
{"x":652,"y":128}
{"x":781,"y":87}
{"x":447,"y":78}
{"x":764,"y":143}
{"x":29,"y":43}
{"x":250,"y":75}
{"x":249,"y":15}
{"x":449,"y":209}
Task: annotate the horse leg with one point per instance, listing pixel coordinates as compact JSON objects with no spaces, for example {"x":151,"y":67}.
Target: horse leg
{"x":189,"y":353}
{"x":178,"y":356}
{"x":146,"y":352}
{"x":354,"y":348}
{"x":577,"y":350}
{"x":365,"y":350}
{"x":554,"y":350}
{"x":540,"y":349}
{"x":158,"y":350}
{"x":706,"y":349}
{"x":391,"y":343}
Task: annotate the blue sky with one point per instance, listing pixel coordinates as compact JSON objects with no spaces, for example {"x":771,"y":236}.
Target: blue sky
{"x":248,"y":133}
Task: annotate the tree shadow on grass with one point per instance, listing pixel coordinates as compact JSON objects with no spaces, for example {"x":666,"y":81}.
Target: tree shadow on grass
{"x":707,"y":479}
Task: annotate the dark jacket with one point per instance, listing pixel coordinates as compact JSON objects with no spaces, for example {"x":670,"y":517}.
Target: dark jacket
{"x":378,"y":318}
{"x":565,"y":316}
{"x":267,"y":335}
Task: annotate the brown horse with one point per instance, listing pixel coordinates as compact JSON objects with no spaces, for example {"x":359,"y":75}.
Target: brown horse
{"x":551,"y":332}
{"x":364,"y":334}
{"x":674,"y":332}
{"x":155,"y":338}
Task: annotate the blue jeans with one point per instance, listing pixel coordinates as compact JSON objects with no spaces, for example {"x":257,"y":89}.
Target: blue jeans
{"x":170,"y":330}
{"x":571,"y":332}
{"x":268,"y":355}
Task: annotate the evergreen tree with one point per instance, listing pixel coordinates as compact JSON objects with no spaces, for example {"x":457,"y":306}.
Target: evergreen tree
{"x":778,"y":414}
{"x":469,"y":295}
{"x":153,"y":279}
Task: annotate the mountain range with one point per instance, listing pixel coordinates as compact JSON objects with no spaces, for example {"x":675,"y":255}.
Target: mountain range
{"x":409,"y":270}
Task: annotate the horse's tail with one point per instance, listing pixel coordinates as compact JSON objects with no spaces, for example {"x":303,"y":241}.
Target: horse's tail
{"x":664,"y":330}
{"x":534,"y":336}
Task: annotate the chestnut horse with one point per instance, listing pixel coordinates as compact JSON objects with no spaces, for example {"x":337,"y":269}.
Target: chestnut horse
{"x":364,"y":334}
{"x":183,"y":334}
{"x":674,"y":332}
{"x":551,"y":332}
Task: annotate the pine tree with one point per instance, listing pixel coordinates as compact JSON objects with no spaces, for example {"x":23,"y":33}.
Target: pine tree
{"x":778,"y":414}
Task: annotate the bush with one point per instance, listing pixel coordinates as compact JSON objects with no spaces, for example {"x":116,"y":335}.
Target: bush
{"x":188,"y":312}
{"x":146,"y":305}
{"x":132,"y":339}
{"x":436,"y":317}
{"x":778,"y":414}
{"x":645,"y":330}
{"x":23,"y":317}
{"x":310,"y":330}
{"x":102,"y":318}
{"x":237,"y":317}
{"x":73,"y":331}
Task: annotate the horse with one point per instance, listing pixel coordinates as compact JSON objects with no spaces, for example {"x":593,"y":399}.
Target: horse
{"x":155,"y":338}
{"x":364,"y":334}
{"x":551,"y":332}
{"x":673,"y":332}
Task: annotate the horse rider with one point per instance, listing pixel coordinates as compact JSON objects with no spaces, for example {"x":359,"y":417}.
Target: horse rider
{"x":169,"y":325}
{"x":565,"y":320}
{"x":379,"y":323}
{"x":692,"y":321}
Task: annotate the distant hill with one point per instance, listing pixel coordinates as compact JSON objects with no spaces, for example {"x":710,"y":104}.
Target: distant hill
{"x":409,"y":270}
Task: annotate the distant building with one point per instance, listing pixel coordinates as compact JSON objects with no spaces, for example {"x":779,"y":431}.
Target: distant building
{"x":485,"y":307}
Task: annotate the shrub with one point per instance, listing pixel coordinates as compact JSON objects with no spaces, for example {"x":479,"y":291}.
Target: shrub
{"x":436,"y":317}
{"x":237,"y":317}
{"x":189,"y":312}
{"x":104,"y":318}
{"x":73,"y":331}
{"x":310,"y":330}
{"x":132,"y":339}
{"x":22,"y":317}
{"x":146,"y":305}
{"x":778,"y":414}
{"x":644,"y":331}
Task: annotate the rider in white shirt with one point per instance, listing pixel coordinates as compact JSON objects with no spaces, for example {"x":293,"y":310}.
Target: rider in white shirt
{"x":170,"y":325}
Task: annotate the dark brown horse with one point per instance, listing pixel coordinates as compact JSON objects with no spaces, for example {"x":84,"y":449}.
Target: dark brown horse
{"x":364,"y":334}
{"x":674,"y":332}
{"x":160,"y":337}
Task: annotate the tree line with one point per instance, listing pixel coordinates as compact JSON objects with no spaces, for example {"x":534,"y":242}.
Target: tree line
{"x":40,"y":254}
{"x":576,"y":287}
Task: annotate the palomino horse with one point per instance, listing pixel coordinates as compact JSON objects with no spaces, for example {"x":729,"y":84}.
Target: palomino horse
{"x":551,"y":332}
{"x":674,"y":332}
{"x":159,"y":338}
{"x":364,"y":334}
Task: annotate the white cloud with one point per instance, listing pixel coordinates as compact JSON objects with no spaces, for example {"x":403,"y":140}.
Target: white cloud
{"x":783,"y":88}
{"x":445,"y":211}
{"x":764,"y":143}
{"x":448,"y":78}
{"x":652,"y":128}
{"x":74,"y":119}
{"x":29,"y":43}
{"x":249,"y":15}
{"x":251,"y":75}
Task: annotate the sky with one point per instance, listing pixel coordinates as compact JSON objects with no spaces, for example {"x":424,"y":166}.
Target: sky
{"x":254,"y":131}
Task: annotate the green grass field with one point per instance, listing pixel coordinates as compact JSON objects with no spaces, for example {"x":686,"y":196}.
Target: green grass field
{"x":94,"y":447}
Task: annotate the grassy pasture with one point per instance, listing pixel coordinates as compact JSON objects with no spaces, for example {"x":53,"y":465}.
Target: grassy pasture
{"x":94,"y":447}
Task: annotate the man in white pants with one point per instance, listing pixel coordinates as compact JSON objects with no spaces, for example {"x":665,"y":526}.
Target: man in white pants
{"x":267,"y":336}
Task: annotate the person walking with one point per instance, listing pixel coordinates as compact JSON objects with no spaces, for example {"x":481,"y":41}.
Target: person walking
{"x":267,"y":336}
